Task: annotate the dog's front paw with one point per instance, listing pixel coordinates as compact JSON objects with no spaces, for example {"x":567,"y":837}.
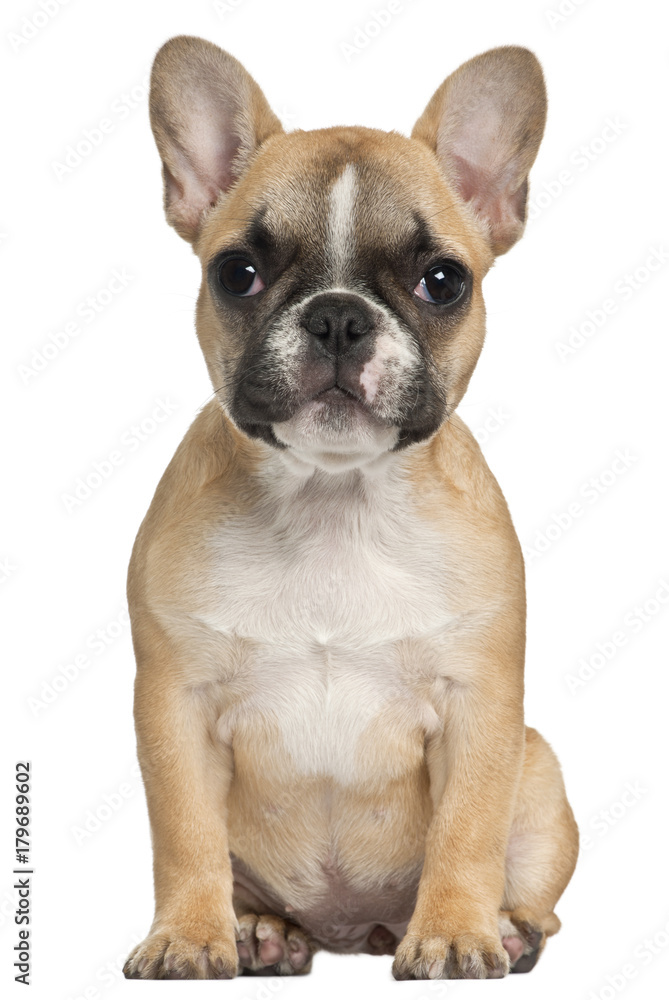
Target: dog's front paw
{"x":459,"y":956}
{"x":269,"y":942}
{"x":173,"y":956}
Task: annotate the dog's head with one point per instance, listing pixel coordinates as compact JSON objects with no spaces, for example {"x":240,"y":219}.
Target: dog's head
{"x":341,"y":313}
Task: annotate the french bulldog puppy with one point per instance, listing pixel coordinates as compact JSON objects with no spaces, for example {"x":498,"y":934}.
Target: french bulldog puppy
{"x":327,"y":593}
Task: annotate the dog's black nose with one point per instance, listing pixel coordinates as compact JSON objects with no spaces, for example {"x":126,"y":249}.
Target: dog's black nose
{"x":337,"y":322}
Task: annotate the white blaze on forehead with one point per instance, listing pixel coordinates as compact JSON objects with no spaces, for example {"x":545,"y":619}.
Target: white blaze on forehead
{"x":340,"y":221}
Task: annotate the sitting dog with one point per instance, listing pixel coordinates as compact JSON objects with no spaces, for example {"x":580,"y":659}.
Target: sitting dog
{"x":327,"y":593}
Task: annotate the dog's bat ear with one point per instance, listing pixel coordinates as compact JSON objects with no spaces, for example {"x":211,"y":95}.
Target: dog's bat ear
{"x":485,"y":123}
{"x":208,"y":117}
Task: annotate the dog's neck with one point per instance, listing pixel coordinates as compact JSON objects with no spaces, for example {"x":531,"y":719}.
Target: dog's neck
{"x":334,"y":465}
{"x":289,"y":479}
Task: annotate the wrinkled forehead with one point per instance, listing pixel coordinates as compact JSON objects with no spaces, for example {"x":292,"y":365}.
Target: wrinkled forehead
{"x":341,"y":197}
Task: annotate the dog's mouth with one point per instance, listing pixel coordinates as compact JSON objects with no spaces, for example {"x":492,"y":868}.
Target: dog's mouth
{"x":335,"y":416}
{"x":337,"y":395}
{"x":340,"y":403}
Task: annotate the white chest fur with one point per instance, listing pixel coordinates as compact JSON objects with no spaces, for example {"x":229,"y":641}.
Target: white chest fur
{"x":341,"y":561}
{"x":328,"y":579}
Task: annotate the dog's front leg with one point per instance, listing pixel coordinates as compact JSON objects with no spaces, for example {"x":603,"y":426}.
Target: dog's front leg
{"x":186,"y":775}
{"x":474,"y":768}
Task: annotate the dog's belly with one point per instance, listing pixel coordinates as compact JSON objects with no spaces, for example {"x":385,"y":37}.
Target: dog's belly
{"x":329,"y":803}
{"x":345,"y":918}
{"x":339,"y":860}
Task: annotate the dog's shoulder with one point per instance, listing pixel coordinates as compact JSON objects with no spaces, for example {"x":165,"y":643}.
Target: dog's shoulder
{"x":452,"y":475}
{"x":456,"y":492}
{"x":210,"y":473}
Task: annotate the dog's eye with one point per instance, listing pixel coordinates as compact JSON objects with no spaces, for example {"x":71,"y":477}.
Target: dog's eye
{"x":442,"y":285}
{"x":239,"y":277}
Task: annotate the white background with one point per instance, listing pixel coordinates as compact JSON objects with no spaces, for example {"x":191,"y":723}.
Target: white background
{"x":560,"y":423}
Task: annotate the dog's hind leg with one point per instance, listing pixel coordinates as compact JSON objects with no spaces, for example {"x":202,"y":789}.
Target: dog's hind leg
{"x":541,"y":855}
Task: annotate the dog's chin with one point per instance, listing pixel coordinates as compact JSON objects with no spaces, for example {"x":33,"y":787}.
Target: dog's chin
{"x":335,"y":432}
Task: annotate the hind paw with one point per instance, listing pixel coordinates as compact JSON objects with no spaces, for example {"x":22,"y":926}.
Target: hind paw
{"x":524,"y":937}
{"x":268,"y":945}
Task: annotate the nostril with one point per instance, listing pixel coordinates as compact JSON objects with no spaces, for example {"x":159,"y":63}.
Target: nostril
{"x":356,"y":329}
{"x":318,"y":325}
